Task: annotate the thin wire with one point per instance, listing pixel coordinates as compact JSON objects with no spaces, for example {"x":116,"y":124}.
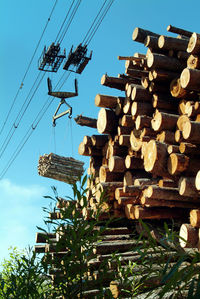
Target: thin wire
{"x":70,"y":21}
{"x":91,"y":27}
{"x":99,"y":22}
{"x":26,"y":72}
{"x":28,"y":134}
{"x":64,"y":21}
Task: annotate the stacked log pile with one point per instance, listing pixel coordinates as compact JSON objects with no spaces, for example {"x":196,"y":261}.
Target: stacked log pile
{"x":146,"y":158}
{"x":60,"y":168}
{"x":118,"y":244}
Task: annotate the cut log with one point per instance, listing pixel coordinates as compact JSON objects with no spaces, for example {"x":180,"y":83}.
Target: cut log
{"x":168,"y":43}
{"x":167,"y":183}
{"x":163,"y":75}
{"x":150,"y":203}
{"x":172,"y":149}
{"x":188,"y":236}
{"x":155,"y":158}
{"x":181,"y":120}
{"x":105,"y":101}
{"x":116,"y":164}
{"x":164,"y":62}
{"x":114,"y":82}
{"x":139,"y":34}
{"x":138,"y":108}
{"x":191,"y":131}
{"x":189,"y":149}
{"x":130,"y":176}
{"x":140,"y":94}
{"x":133,"y":163}
{"x":128,"y":121}
{"x":121,"y":130}
{"x":193,"y":62}
{"x":164,"y":121}
{"x":99,"y":140}
{"x":180,"y":31}
{"x":127,"y":106}
{"x":157,"y":213}
{"x":177,"y":163}
{"x":142,"y":121}
{"x":151,"y":42}
{"x":160,"y":102}
{"x":194,"y":44}
{"x":195,"y":218}
{"x":106,"y":122}
{"x":106,"y":176}
{"x":197,"y":180}
{"x":176,"y":90}
{"x":187,"y":187}
{"x":124,"y":140}
{"x":156,"y":192}
{"x":190,"y":79}
{"x":86,"y":121}
{"x":167,"y":137}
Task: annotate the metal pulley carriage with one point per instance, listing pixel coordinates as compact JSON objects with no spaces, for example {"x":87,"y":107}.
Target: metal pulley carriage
{"x":51,"y":58}
{"x":78,"y":59}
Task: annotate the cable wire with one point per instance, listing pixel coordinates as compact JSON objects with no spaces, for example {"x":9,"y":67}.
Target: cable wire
{"x":29,"y":65}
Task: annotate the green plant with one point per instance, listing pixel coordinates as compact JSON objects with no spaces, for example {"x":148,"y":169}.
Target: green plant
{"x":23,"y":276}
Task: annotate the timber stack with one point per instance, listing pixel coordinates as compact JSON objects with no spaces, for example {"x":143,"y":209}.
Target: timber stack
{"x":60,"y":168}
{"x":146,"y":157}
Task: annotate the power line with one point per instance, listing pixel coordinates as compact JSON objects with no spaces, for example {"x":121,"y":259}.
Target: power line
{"x":30,"y":130}
{"x":29,"y":65}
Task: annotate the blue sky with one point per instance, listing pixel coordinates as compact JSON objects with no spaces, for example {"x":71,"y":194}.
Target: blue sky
{"x":21,"y":23}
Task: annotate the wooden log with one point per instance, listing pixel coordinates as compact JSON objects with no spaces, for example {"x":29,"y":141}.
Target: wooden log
{"x":164,"y":121}
{"x":87,"y":140}
{"x":182,"y":55}
{"x":167,"y":137}
{"x":123,"y":201}
{"x":136,"y":73}
{"x":150,"y":203}
{"x":176,"y":89}
{"x":172,"y":149}
{"x":163,"y":75}
{"x":135,"y":140}
{"x":139,"y":93}
{"x":113,"y":82}
{"x":164,"y":193}
{"x":121,"y":130}
{"x":167,"y":183}
{"x":105,"y":101}
{"x":108,"y":247}
{"x":124,"y":140}
{"x":142,"y":121}
{"x":178,"y":136}
{"x":168,"y":43}
{"x":157,"y":213}
{"x":181,"y":120}
{"x":145,"y":82}
{"x":194,"y":44}
{"x":188,"y":236}
{"x":86,"y":121}
{"x":133,"y":163}
{"x":189,"y":149}
{"x":187,"y":187}
{"x":143,"y":182}
{"x":193,"y":62}
{"x":127,"y":106}
{"x":139,"y":34}
{"x":130,"y":176}
{"x":190,"y":79}
{"x":155,"y":158}
{"x":151,"y":42}
{"x":132,"y":190}
{"x":164,"y":62}
{"x":116,"y":164}
{"x":192,"y":108}
{"x":115,"y":150}
{"x":128,"y":121}
{"x":160,"y":102}
{"x":195,"y":217}
{"x":138,"y":108}
{"x":197,"y":180}
{"x":106,"y":176}
{"x":191,"y":131}
{"x":158,"y":87}
{"x":129,"y":88}
{"x":177,"y":163}
{"x":106,"y":122}
{"x":99,"y":140}
{"x":180,"y":31}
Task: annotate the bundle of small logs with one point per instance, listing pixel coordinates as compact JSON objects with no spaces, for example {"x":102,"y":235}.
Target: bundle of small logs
{"x":146,"y":156}
{"x":60,"y":168}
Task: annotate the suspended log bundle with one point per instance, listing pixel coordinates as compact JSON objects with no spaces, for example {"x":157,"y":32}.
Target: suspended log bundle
{"x":152,"y":144}
{"x":60,"y":168}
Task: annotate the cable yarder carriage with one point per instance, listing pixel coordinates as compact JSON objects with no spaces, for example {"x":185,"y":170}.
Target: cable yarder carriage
{"x":51,"y":58}
{"x":77,"y":58}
